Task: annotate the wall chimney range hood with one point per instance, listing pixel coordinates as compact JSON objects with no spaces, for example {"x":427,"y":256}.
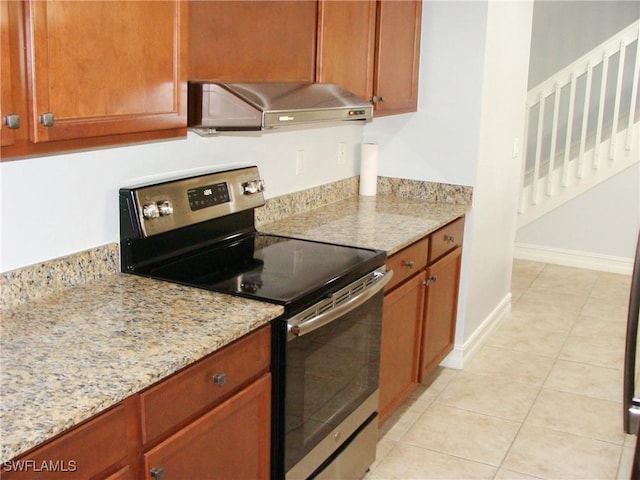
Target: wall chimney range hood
{"x":217,"y":107}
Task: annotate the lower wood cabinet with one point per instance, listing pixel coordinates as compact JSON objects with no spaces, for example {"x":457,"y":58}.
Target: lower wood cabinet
{"x":419,"y":315}
{"x":441,"y":301}
{"x":231,"y":441}
{"x":102,"y":447}
{"x":400,"y":349}
{"x":211,"y":420}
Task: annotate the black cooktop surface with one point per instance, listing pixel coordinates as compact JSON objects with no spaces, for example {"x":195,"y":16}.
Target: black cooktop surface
{"x":288,"y":271}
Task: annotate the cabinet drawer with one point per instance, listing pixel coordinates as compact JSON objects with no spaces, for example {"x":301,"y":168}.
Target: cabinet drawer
{"x":84,"y":452}
{"x":446,"y":239}
{"x":407,"y":262}
{"x":205,"y":383}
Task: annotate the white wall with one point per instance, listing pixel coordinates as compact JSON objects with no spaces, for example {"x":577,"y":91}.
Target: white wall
{"x":56,"y":205}
{"x":565,"y":30}
{"x":602,"y":222}
{"x":473,"y":76}
{"x":440,"y":142}
{"x":497,"y":192}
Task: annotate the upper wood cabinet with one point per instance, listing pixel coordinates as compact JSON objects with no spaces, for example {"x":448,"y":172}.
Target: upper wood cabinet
{"x":346,"y":42}
{"x":397,"y":56}
{"x":252,"y":41}
{"x":94,"y":69}
{"x":10,"y":118}
{"x":372,"y":48}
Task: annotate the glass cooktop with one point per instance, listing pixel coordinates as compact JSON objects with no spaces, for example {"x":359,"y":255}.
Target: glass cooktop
{"x":271,"y":268}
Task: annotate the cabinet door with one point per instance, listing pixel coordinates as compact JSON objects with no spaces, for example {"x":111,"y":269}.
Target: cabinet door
{"x":441,"y":303}
{"x":231,"y":441}
{"x":252,"y":41}
{"x":105,"y":67}
{"x":6,"y":105}
{"x":346,"y":38}
{"x":397,"y":56}
{"x":401,"y":321}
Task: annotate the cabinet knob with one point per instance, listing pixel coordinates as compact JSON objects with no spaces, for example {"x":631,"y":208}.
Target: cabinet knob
{"x":219,"y":379}
{"x":46,"y":119}
{"x":157,"y":473}
{"x":407,"y":263}
{"x":12,"y":121}
{"x":449,"y":238}
{"x":430,"y":280}
{"x":377,"y":99}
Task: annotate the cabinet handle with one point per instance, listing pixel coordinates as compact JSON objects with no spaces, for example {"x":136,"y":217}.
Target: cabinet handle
{"x":430,"y":280}
{"x":219,"y":379}
{"x":377,"y":99}
{"x":449,"y":238}
{"x":407,"y":263}
{"x":46,"y":119}
{"x":12,"y":121}
{"x":157,"y":473}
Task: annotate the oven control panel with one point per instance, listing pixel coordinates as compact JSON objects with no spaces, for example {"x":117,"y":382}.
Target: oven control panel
{"x":208,"y":196}
{"x":161,"y":207}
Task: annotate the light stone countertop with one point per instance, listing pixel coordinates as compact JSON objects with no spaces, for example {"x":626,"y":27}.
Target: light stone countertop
{"x":72,"y":354}
{"x":383,"y":222}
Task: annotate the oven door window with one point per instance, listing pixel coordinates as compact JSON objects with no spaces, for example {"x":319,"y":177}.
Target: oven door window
{"x":330,"y":372}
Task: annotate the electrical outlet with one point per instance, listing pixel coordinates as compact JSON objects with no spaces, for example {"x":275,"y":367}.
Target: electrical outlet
{"x":300,"y":161}
{"x":342,"y":153}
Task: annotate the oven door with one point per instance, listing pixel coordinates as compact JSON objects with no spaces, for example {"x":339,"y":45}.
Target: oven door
{"x":332,"y":370}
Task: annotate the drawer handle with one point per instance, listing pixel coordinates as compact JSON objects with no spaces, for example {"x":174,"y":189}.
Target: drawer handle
{"x":46,"y":119}
{"x":449,"y":238}
{"x":12,"y":121}
{"x":219,"y":379}
{"x":430,"y":280}
{"x":157,"y":473}
{"x":407,"y":263}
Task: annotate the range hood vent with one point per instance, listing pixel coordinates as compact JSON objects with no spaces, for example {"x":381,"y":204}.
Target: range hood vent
{"x":215,"y":107}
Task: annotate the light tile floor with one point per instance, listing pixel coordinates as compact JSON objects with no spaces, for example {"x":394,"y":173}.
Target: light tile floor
{"x":540,"y":400}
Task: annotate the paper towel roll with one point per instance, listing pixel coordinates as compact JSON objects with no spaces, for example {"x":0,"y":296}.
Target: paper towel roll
{"x":368,"y":169}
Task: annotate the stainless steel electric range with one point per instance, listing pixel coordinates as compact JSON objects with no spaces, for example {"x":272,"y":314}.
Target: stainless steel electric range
{"x":200,"y":231}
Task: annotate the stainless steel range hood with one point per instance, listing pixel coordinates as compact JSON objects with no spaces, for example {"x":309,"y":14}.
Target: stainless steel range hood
{"x":215,"y":107}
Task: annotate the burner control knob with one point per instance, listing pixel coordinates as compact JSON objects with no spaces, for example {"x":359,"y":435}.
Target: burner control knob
{"x":150,"y":211}
{"x":254,"y":186}
{"x":165,"y":208}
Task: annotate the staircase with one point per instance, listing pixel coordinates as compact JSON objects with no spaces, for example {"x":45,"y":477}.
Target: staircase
{"x":582,"y":125}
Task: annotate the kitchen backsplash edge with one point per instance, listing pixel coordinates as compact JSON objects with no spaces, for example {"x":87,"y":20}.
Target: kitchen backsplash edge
{"x":37,"y":281}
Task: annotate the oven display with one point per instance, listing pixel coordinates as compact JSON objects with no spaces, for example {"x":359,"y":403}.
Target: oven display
{"x":208,"y":196}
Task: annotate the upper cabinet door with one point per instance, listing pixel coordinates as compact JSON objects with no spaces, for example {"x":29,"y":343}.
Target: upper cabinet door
{"x":9,"y":120}
{"x":105,"y":67}
{"x":397,"y":56}
{"x":346,"y":42}
{"x":252,"y":41}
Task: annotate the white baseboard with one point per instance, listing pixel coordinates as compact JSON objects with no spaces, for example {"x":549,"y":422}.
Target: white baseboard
{"x":462,"y":354}
{"x":570,"y":258}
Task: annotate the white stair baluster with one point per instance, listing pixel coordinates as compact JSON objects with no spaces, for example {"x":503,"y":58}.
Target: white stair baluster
{"x":616,"y":104}
{"x":552,"y":148}
{"x":567,"y":144}
{"x":603,"y":91}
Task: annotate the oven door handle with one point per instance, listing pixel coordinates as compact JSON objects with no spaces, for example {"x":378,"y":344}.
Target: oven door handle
{"x":337,"y":311}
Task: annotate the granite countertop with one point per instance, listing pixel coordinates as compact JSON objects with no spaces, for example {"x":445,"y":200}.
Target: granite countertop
{"x":75,"y":352}
{"x":72,"y":354}
{"x":386,"y":223}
